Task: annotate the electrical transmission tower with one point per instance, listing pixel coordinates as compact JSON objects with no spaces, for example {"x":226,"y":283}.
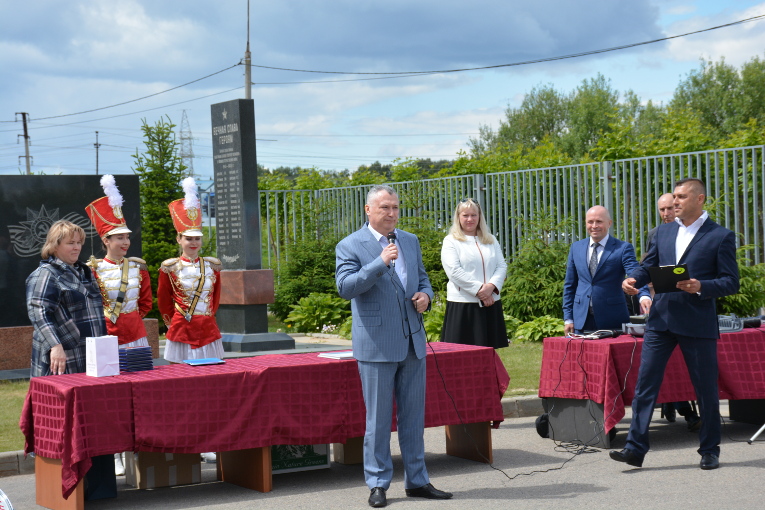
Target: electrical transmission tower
{"x":187,"y":145}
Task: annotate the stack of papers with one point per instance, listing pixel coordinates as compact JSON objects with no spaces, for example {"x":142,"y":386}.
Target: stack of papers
{"x":135,"y":359}
{"x":337,"y":355}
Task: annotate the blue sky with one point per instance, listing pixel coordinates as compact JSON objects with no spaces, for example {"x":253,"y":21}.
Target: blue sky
{"x":62,"y":58}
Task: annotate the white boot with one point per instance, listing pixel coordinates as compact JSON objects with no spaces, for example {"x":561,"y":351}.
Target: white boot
{"x":119,"y":466}
{"x":209,"y":457}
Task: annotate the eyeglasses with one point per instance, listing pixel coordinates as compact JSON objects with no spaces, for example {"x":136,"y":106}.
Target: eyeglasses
{"x":470,"y":200}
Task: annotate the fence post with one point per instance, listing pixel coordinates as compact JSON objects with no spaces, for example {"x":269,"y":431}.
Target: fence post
{"x":480,"y":190}
{"x":606,"y":168}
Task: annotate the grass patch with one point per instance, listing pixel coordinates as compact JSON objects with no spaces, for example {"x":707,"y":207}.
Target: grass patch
{"x":12,"y":394}
{"x":523,"y":362}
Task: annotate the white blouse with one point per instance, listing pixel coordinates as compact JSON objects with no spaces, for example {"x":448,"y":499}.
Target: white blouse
{"x":469,"y":264}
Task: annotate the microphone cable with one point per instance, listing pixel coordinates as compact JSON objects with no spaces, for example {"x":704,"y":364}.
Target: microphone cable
{"x":472,"y":440}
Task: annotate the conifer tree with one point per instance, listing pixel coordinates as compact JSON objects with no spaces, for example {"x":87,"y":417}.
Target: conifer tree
{"x":160,"y":171}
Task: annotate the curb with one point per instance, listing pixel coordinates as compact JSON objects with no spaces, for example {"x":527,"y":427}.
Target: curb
{"x":14,"y":463}
{"x":522,"y":407}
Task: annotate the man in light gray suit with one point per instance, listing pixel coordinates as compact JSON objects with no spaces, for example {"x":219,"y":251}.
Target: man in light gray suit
{"x":379,"y":268}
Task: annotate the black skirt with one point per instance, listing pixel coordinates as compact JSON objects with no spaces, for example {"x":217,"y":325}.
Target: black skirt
{"x":471,"y":324}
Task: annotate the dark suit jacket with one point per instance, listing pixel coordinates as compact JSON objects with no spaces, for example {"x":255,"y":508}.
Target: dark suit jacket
{"x":711,"y":259}
{"x":604,"y":288}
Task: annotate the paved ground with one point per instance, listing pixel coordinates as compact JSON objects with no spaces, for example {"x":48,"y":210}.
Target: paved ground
{"x":533,"y":476}
{"x":529,"y":472}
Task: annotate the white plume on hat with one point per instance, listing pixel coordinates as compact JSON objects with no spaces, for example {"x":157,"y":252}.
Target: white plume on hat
{"x":190,"y":188}
{"x":111,"y":191}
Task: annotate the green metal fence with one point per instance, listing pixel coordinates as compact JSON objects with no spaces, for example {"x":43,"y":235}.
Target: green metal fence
{"x":629,"y":188}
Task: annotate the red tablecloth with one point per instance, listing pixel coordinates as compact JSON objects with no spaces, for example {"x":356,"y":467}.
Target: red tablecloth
{"x":605,"y":371}
{"x":244,"y":403}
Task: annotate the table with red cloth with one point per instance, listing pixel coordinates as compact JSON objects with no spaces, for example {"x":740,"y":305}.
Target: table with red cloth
{"x":244,"y":403}
{"x":605,"y":371}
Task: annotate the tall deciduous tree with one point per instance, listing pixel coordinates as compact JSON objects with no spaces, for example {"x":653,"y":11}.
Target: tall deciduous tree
{"x":160,"y":170}
{"x":713,"y":92}
{"x":542,"y":115}
{"x":591,"y":107}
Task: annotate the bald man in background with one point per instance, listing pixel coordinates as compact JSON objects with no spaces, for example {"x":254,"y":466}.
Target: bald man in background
{"x":666,"y":205}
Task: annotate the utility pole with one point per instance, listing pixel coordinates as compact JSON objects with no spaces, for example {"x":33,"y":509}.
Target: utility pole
{"x":248,"y":60}
{"x":24,"y":116}
{"x":96,"y":145}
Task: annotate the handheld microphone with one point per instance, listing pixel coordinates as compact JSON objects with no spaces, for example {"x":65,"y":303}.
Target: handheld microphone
{"x":392,"y":240}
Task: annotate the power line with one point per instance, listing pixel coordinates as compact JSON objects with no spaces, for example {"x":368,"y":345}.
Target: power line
{"x":525,"y":62}
{"x":137,"y":99}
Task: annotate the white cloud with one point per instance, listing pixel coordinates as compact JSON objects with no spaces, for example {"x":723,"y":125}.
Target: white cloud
{"x":121,"y":35}
{"x":737,"y":44}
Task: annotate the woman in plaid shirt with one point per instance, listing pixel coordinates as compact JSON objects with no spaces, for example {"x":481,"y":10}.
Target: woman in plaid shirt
{"x":64,"y":304}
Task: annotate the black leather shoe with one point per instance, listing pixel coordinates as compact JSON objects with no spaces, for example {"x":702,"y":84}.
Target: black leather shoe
{"x":669,"y":412}
{"x":429,"y":492}
{"x":377,"y":498}
{"x":628,"y":456}
{"x":709,"y":461}
{"x":694,"y":422}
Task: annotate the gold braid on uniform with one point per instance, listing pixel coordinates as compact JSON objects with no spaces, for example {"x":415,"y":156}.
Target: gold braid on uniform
{"x":215,"y":264}
{"x":139,"y":262}
{"x":171,"y":266}
{"x":93,"y":264}
{"x":168,"y":266}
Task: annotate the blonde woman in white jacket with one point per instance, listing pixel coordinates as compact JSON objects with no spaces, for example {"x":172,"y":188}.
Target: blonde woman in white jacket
{"x":476,"y":268}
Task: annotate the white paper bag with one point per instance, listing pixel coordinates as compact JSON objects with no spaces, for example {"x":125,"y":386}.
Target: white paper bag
{"x":102,"y":356}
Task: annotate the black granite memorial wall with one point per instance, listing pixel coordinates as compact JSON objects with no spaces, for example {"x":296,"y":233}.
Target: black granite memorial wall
{"x":242,"y":318}
{"x":29,"y":205}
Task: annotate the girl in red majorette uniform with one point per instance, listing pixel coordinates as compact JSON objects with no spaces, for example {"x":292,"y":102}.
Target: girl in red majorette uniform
{"x":189,"y":287}
{"x":124,"y":281}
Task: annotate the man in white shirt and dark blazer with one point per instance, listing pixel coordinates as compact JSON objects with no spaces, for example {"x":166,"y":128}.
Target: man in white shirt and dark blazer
{"x":380,"y":269}
{"x":592,"y":290}
{"x":687,"y":317}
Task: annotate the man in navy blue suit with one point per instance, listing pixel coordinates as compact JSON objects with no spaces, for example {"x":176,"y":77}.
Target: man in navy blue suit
{"x":666,"y":205}
{"x":592,"y":291}
{"x":687,"y":318}
{"x":379,"y":268}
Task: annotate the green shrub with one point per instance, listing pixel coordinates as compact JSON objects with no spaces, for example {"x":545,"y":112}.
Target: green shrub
{"x":534,"y":284}
{"x":512,"y":324}
{"x":433,"y":319}
{"x":309,"y":266}
{"x":538,"y":329}
{"x":314,"y":312}
{"x":751,"y":294}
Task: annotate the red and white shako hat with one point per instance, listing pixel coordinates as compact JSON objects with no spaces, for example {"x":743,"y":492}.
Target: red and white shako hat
{"x":186,"y":212}
{"x":106,"y":212}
